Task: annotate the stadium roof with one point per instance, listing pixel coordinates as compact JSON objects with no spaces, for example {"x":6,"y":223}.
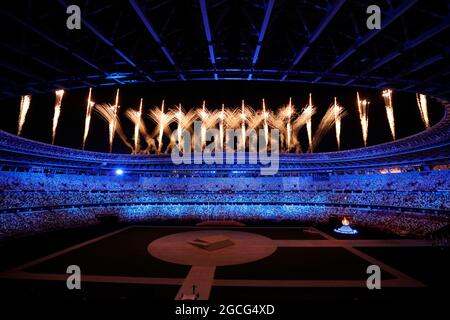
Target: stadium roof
{"x":137,"y":41}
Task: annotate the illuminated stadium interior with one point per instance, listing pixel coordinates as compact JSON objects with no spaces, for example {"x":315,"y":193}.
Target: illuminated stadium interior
{"x":92,"y":118}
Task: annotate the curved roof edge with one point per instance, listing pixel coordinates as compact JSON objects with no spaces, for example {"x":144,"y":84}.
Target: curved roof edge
{"x":435,"y":137}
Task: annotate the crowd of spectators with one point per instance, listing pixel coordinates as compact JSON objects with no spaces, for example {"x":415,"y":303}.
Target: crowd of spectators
{"x":16,"y":224}
{"x":33,"y":202}
{"x":417,"y":200}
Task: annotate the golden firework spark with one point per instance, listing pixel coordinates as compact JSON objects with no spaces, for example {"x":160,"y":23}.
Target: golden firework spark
{"x":136,"y":117}
{"x":59,"y":95}
{"x":265,"y":125}
{"x":243,"y":119}
{"x":387,"y":96}
{"x":162,"y":120}
{"x":221,"y":127}
{"x":338,"y":114}
{"x":113,"y":122}
{"x":423,"y":108}
{"x":363,"y":109}
{"x":309,"y":112}
{"x":136,"y":128}
{"x":327,"y":123}
{"x":109,"y":114}
{"x":24,"y":106}
{"x":87,"y":119}
{"x":288,"y":125}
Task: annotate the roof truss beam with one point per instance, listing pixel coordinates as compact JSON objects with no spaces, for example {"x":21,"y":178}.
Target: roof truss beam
{"x":212,"y":58}
{"x":262,"y":33}
{"x":333,"y":10}
{"x":154,"y":35}
{"x":391,"y":17}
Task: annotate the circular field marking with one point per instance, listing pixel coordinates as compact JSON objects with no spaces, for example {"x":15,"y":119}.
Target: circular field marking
{"x":247,"y":247}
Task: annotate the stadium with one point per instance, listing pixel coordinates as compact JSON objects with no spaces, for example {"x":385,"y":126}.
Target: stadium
{"x":98,"y":187}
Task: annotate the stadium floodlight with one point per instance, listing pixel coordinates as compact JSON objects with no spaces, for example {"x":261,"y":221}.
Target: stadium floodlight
{"x":119,"y":172}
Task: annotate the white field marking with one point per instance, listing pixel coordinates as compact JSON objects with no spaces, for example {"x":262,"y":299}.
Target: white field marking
{"x":354,"y":243}
{"x":401,"y":281}
{"x":200,"y":276}
{"x":90,"y":278}
{"x":403,"y":278}
{"x":58,"y":253}
{"x":392,"y":283}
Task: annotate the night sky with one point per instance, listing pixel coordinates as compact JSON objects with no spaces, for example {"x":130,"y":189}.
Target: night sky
{"x":191,"y":94}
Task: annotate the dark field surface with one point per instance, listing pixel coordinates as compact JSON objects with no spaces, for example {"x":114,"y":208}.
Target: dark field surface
{"x":301,"y":264}
{"x":125,"y":254}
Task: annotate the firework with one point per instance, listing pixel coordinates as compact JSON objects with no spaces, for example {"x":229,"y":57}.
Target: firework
{"x":208,"y":120}
{"x":338,"y":114}
{"x":363,"y":110}
{"x":288,"y":125}
{"x":232,"y":120}
{"x":387,"y":96}
{"x":300,"y":122}
{"x":423,"y":108}
{"x":87,"y":120}
{"x":136,"y":117}
{"x":179,"y":117}
{"x":326,"y":123}
{"x":203,"y":115}
{"x":282,"y":121}
{"x":163,"y":121}
{"x":113,"y":122}
{"x":221,"y":129}
{"x":109,"y":113}
{"x":59,"y":95}
{"x":161,"y":127}
{"x":24,"y":106}
{"x":243,"y":119}
{"x":309,"y":112}
{"x":266,"y":126}
{"x":137,"y":127}
{"x":184,"y":121}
